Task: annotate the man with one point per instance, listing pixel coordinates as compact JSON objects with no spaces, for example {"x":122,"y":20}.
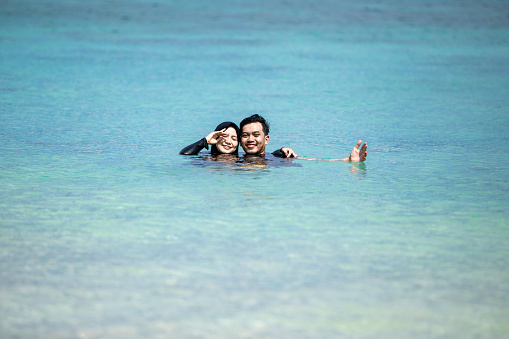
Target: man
{"x":254,"y":136}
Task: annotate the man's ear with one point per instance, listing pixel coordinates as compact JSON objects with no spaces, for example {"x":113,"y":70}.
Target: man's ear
{"x":267,"y":139}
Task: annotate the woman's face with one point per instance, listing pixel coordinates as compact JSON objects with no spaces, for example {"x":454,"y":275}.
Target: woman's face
{"x":228,"y":144}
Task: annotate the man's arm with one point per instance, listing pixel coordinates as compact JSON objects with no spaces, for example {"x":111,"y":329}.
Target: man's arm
{"x":284,"y":152}
{"x":357,"y":154}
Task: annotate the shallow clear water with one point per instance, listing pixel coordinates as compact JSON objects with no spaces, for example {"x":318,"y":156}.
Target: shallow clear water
{"x":107,"y":232}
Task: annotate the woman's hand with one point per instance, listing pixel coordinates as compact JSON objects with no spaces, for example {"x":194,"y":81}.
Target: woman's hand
{"x":214,"y":137}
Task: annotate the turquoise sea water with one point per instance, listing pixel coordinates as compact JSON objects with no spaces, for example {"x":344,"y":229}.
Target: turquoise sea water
{"x":106,"y":232}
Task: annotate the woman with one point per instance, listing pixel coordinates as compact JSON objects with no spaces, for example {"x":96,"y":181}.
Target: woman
{"x":224,"y":140}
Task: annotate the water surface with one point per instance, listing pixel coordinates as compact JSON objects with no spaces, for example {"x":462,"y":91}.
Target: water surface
{"x":105,"y":231}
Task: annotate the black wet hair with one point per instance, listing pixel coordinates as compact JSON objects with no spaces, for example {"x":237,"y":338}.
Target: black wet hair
{"x":223,"y":125}
{"x":256,"y":118}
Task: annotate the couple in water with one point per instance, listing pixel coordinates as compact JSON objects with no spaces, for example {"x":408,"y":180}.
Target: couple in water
{"x":253,"y":135}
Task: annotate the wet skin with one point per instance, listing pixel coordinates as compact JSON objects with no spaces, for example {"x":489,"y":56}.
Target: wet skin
{"x":253,"y":140}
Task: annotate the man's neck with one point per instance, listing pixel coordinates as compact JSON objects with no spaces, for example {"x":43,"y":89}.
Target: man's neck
{"x":262,"y":154}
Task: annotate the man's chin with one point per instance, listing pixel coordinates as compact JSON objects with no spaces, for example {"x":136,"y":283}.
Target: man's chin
{"x":253,"y":150}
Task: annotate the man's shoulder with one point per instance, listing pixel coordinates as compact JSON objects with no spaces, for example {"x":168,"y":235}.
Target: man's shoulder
{"x":279,"y":153}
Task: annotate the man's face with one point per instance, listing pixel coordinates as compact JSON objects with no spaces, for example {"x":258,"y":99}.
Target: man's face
{"x":253,"y":140}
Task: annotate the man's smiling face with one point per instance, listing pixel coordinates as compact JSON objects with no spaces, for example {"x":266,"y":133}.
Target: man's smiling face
{"x":253,"y":140}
